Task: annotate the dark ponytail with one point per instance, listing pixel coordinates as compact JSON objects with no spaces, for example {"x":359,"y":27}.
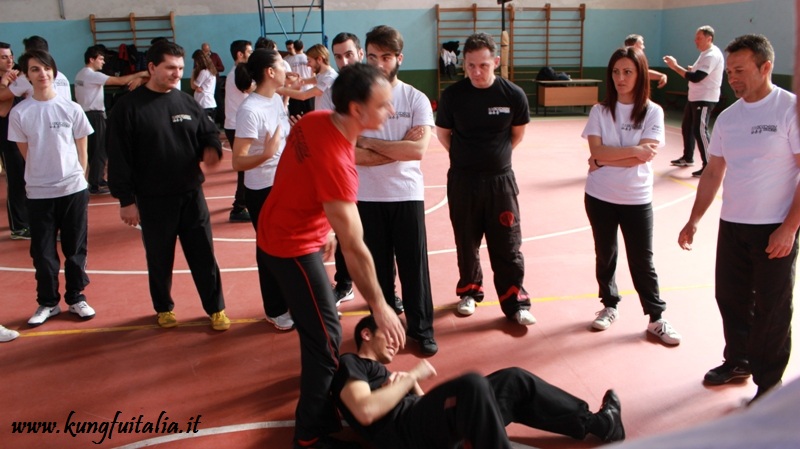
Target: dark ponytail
{"x":253,"y":69}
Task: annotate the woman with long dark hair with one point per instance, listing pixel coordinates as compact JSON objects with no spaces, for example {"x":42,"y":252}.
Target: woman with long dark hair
{"x":262,"y":124}
{"x":204,"y":82}
{"x":624,"y":132}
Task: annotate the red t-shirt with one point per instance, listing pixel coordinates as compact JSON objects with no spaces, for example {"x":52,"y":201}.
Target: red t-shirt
{"x":317,"y":166}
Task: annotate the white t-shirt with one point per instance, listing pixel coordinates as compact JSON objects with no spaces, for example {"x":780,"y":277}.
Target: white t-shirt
{"x":258,"y":116}
{"x":759,"y":142}
{"x":325,"y":83}
{"x":399,"y":180}
{"x":22,"y":87}
{"x":52,"y":168}
{"x":89,"y":89}
{"x":207,"y":83}
{"x":712,"y":63}
{"x":623,"y":185}
{"x":299,"y":65}
{"x":233,"y":99}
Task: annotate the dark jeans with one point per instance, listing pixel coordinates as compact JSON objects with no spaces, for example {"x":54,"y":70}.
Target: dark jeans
{"x":754,"y":295}
{"x":486,"y":205}
{"x":274,"y":305}
{"x":305,"y":287}
{"x":184,"y":217}
{"x":239,"y":201}
{"x":96,"y":145}
{"x":395,"y":232}
{"x":695,"y":129}
{"x":636,"y":224}
{"x":476,"y":409}
{"x":68,"y":214}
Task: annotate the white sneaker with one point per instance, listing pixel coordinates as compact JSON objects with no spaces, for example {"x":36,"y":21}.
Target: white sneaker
{"x":7,"y":334}
{"x":283,"y":322}
{"x":343,"y":295}
{"x":604,"y":318}
{"x":82,"y":309}
{"x":466,"y":306}
{"x":525,"y":317}
{"x":663,"y":330}
{"x":42,"y":314}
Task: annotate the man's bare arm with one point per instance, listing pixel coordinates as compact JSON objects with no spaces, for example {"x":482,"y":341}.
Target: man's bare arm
{"x":707,"y":189}
{"x":369,"y":158}
{"x":411,"y":148}
{"x":127,"y":79}
{"x":369,"y":406}
{"x":301,"y":95}
{"x":781,"y":241}
{"x":444,"y":135}
{"x":517,"y":133}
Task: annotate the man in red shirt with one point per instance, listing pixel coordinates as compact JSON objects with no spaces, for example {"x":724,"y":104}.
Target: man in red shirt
{"x":315,"y":190}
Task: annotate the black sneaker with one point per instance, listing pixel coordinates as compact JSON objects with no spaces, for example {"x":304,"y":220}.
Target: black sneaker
{"x":762,"y":391}
{"x":99,"y":190}
{"x":239,"y":216}
{"x":611,"y":411}
{"x":398,"y":305}
{"x":682,"y":163}
{"x":726,"y":373}
{"x":343,"y":295}
{"x":22,"y":234}
{"x":698,"y":173}
{"x":427,"y":346}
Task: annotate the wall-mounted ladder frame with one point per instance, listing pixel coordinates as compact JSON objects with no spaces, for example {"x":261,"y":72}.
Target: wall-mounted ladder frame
{"x":539,"y":36}
{"x":276,"y":7}
{"x":136,"y":30}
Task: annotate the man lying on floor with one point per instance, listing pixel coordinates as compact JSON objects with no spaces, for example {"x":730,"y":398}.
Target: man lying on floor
{"x":389,"y":409}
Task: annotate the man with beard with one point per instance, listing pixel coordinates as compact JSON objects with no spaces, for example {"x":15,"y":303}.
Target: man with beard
{"x":324,"y":75}
{"x":391,"y":191}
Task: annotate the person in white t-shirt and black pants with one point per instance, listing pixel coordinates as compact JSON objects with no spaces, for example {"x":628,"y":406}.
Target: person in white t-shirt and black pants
{"x":705,"y":80}
{"x":262,"y":124}
{"x":240,"y":52}
{"x":624,"y":132}
{"x":755,"y":157}
{"x":391,"y":191}
{"x":51,"y":132}
{"x":298,"y":61}
{"x":324,"y":76}
{"x":89,"y":93}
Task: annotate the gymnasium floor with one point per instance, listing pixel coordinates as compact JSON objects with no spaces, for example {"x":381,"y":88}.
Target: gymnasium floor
{"x":239,"y":388}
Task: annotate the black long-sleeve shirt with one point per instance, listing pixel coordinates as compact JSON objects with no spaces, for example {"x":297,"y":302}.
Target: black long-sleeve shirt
{"x":155,"y":142}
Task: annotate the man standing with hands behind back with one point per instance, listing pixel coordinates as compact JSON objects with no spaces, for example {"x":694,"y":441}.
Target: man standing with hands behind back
{"x":480,"y":121}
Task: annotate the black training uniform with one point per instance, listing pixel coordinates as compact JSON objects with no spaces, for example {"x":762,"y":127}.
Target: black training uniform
{"x":155,"y":144}
{"x":481,"y":188}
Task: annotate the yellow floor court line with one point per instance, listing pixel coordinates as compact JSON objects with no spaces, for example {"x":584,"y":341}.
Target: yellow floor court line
{"x":97,"y":330}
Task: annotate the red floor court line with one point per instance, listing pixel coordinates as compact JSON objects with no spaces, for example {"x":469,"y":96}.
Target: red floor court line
{"x":249,"y":374}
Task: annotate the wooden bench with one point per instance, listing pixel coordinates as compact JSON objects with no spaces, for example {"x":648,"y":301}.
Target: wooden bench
{"x":575,"y":92}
